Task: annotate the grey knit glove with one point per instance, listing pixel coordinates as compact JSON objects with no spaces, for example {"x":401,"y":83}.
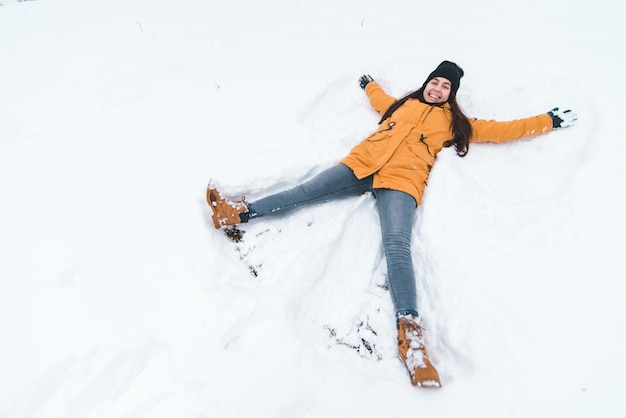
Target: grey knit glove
{"x":562,"y":118}
{"x":364,"y":80}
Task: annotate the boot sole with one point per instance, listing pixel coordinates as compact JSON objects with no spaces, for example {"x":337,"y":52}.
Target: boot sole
{"x":212,"y":200}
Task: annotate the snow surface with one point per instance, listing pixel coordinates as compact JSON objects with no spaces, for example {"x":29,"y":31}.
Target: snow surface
{"x":119,"y":299}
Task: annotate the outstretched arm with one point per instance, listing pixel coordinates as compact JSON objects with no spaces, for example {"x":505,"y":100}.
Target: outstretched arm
{"x":379,"y":100}
{"x":493,"y":131}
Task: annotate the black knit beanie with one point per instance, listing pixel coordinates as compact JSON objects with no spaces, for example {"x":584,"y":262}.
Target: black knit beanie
{"x":449,"y":70}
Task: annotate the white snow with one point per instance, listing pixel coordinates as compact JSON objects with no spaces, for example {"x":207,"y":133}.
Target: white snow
{"x":118,"y":298}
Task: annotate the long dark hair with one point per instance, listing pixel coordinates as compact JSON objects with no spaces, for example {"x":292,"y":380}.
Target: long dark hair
{"x":460,"y":124}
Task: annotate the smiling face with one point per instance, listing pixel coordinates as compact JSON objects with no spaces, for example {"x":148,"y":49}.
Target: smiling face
{"x":437,"y":90}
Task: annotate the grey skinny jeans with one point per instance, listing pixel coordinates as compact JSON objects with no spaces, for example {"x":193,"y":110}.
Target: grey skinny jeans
{"x":396,"y":211}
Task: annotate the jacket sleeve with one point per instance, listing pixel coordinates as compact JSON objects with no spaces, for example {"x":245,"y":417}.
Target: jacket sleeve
{"x":379,"y":100}
{"x":493,"y":131}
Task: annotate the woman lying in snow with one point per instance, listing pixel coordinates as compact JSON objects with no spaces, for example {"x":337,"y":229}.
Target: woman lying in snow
{"x":393,"y":163}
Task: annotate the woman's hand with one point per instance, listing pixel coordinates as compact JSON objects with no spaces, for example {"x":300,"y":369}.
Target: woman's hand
{"x":562,"y":118}
{"x":364,"y":80}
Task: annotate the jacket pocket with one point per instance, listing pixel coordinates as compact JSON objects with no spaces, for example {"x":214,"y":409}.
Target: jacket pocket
{"x":421,"y":150}
{"x":392,"y":130}
{"x":381,"y":134}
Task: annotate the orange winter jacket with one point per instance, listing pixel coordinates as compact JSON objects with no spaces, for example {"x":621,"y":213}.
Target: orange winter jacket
{"x":402,"y":152}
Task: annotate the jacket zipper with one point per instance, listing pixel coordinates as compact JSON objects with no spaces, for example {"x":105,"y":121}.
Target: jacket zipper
{"x":427,"y":113}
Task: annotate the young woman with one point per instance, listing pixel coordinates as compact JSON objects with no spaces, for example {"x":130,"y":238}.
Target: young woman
{"x":393,"y":163}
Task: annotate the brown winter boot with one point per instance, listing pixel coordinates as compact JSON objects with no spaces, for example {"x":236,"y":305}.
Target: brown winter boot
{"x":225,"y":212}
{"x":413,"y":352}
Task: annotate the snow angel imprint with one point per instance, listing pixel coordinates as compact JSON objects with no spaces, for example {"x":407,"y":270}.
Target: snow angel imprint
{"x":393,"y":163}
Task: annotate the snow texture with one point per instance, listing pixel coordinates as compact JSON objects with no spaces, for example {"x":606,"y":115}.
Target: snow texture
{"x":118,"y":298}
